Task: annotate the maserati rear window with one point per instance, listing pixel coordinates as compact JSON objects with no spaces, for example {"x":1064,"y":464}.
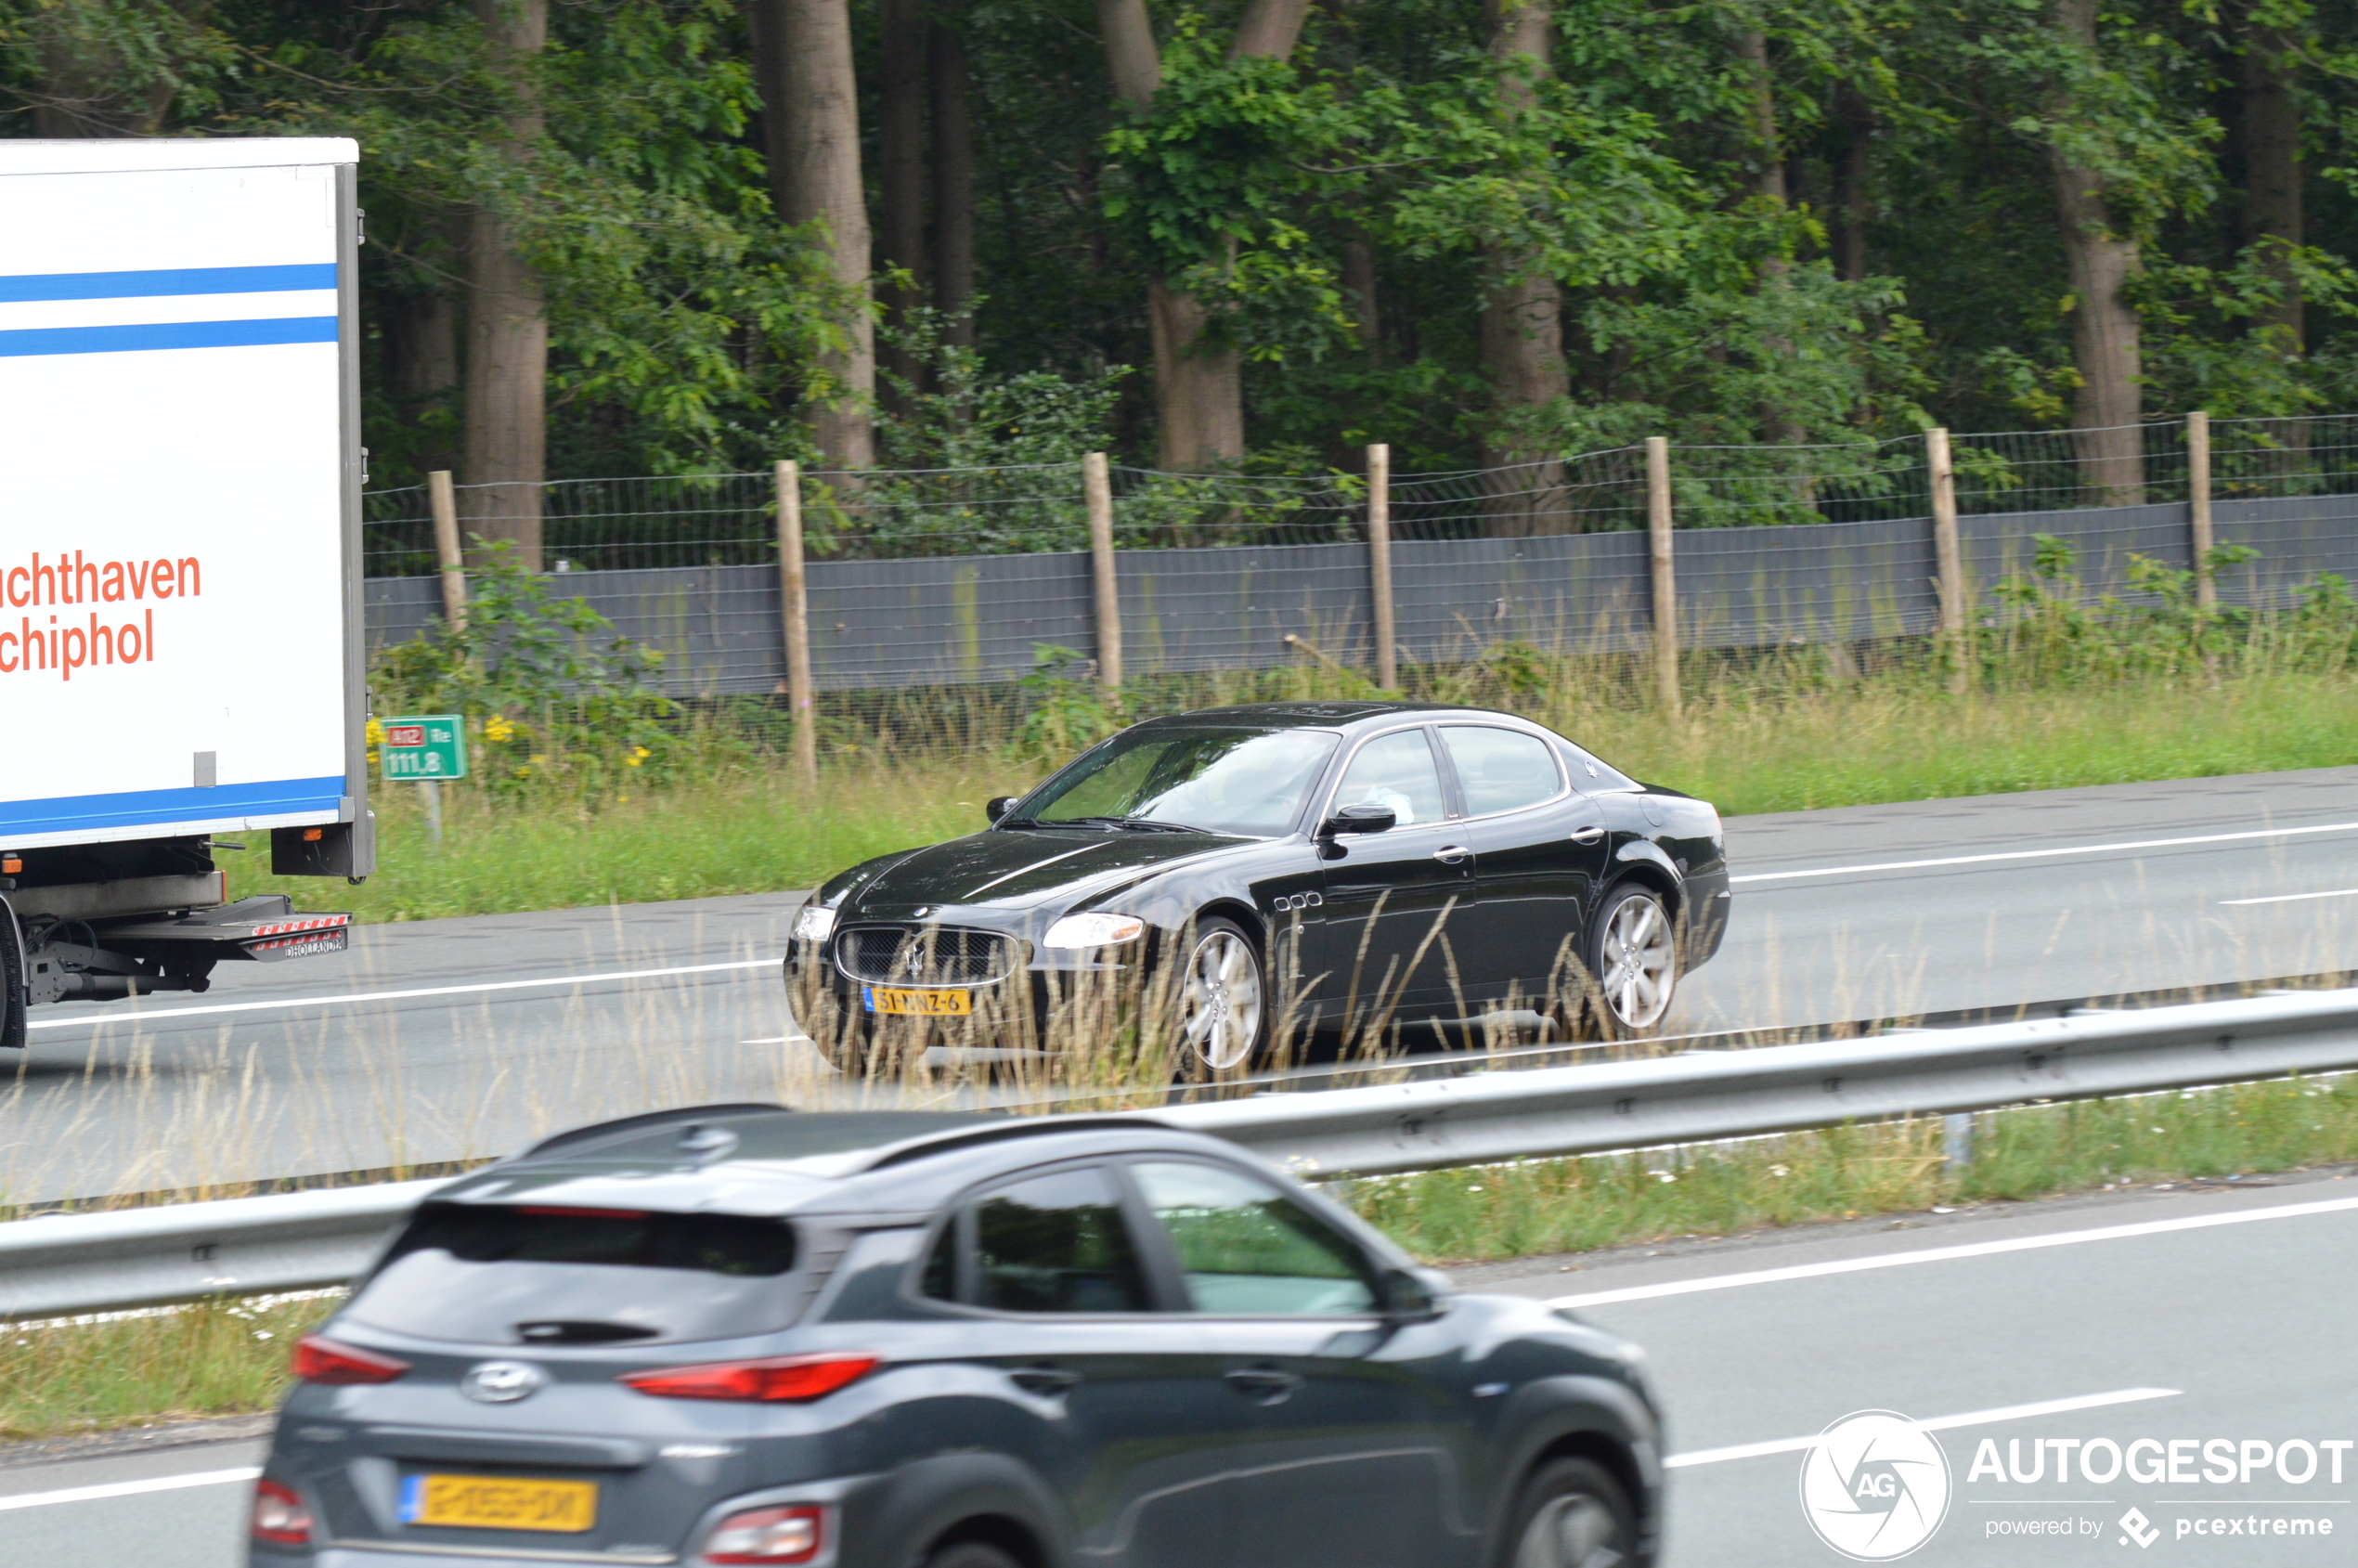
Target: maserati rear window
{"x":525,"y":1273}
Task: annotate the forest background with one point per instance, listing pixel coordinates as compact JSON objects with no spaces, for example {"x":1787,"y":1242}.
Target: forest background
{"x":618,"y":236}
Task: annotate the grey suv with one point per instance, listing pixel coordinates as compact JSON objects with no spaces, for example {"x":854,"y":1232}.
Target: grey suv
{"x":741,"y":1335}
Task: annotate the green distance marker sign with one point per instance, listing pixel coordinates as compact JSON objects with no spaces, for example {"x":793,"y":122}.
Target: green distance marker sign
{"x":422,"y":747}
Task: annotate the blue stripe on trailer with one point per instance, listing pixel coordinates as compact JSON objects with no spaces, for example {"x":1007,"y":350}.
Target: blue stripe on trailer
{"x":29,"y":286}
{"x":29,"y":341}
{"x":142,"y":808}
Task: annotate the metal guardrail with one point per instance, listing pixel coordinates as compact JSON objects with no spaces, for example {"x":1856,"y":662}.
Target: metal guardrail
{"x":248,"y":1246}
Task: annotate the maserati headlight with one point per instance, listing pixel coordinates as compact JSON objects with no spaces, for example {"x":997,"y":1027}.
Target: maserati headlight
{"x":1093,"y":930}
{"x":815,"y":924}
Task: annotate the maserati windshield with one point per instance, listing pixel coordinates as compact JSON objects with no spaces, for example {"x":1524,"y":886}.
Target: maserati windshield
{"x":1250,"y":782}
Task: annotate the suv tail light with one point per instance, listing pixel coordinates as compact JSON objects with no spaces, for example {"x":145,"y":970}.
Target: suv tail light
{"x":318,"y":1360}
{"x":768,"y":1534}
{"x":783,"y":1380}
{"x":280,"y":1516}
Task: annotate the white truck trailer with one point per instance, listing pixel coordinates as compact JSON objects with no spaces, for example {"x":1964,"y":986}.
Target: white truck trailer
{"x":180,"y":573}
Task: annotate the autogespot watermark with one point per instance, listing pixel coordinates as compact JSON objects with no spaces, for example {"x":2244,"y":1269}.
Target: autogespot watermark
{"x":1876,"y":1487}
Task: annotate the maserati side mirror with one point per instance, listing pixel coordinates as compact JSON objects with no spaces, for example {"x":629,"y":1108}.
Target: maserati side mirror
{"x":998,"y":806}
{"x":1363,"y":817}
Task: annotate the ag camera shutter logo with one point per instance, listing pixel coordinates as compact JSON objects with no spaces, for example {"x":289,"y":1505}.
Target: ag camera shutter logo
{"x":1875,"y":1486}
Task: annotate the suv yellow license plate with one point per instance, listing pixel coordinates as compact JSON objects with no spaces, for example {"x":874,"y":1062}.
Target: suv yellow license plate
{"x":920,"y":1003}
{"x":493,"y":1502}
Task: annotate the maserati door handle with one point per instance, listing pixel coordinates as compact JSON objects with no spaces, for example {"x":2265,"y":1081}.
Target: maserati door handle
{"x":1043,"y":1380}
{"x":1450,"y":854}
{"x":1586,"y":835}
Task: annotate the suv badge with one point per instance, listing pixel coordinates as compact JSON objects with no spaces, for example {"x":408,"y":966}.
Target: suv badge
{"x":501,"y":1382}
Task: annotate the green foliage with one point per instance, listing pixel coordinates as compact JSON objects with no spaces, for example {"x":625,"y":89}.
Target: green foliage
{"x":549,"y":696}
{"x":1066,"y":713}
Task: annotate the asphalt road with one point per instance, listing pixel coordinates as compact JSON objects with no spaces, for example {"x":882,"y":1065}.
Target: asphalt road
{"x":449,"y":1039}
{"x":2209,"y":1313}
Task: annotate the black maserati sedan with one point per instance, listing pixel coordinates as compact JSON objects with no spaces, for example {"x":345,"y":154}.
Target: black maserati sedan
{"x":741,"y":1334}
{"x":1378,"y":870}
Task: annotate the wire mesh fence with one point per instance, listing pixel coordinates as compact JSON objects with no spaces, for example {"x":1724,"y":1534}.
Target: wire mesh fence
{"x":730,"y":519}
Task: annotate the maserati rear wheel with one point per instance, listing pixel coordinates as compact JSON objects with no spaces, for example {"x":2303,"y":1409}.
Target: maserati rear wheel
{"x":1635,"y":962}
{"x":1223,"y":999}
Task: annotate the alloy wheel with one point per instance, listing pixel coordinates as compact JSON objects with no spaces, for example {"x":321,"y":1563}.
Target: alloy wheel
{"x":1221,"y":1001}
{"x":1576,"y":1531}
{"x":1640,"y":962}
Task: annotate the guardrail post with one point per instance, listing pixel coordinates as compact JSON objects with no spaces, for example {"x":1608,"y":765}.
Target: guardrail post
{"x":794,"y":597}
{"x":1666,"y":582}
{"x":452,"y":562}
{"x":1096,"y":484}
{"x":1956,"y":1142}
{"x":1379,"y":561}
{"x":2198,"y":506}
{"x":1949,"y":555}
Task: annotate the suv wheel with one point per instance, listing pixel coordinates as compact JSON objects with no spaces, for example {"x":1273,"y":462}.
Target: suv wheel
{"x":969,"y":1554}
{"x":1572,"y":1514}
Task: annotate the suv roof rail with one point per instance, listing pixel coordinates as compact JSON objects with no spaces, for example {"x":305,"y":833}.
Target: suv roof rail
{"x":647,"y":1119}
{"x":1014,"y":1127}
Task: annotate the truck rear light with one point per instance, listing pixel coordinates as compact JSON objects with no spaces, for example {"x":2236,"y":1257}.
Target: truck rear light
{"x":776,"y":1380}
{"x":318,"y":1360}
{"x":768,"y":1534}
{"x":280,"y":1516}
{"x":313,"y":834}
{"x":11,"y":866}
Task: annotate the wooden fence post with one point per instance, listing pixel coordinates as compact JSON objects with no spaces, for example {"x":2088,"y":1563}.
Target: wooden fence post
{"x":1947,"y":553}
{"x":445,"y":502}
{"x":1666,"y":582}
{"x":1096,"y":486}
{"x":793,"y":596}
{"x":2198,"y":505}
{"x":1380,"y":562}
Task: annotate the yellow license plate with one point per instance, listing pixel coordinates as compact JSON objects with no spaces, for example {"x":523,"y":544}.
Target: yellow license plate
{"x":491,"y":1502}
{"x":920,"y":1003}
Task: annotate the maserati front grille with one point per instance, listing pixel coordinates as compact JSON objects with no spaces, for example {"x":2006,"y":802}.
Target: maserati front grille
{"x":924,"y":955}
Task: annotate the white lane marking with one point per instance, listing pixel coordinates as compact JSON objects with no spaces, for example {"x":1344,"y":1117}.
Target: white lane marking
{"x":402,"y":995}
{"x":130,"y":1488}
{"x":1944,"y":1255}
{"x":1937,"y":1423}
{"x":2295,"y":898}
{"x":2040,"y":854}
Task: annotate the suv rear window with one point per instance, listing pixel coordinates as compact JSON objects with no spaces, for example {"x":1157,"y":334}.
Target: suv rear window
{"x":485,"y":1274}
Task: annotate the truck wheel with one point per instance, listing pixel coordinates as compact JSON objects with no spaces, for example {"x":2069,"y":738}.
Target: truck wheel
{"x":1572,"y":1514}
{"x":12,"y":989}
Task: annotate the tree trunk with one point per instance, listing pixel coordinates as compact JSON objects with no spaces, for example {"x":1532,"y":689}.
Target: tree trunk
{"x":1359,"y":288}
{"x":2105,"y":331}
{"x":1198,"y":378}
{"x":2271,"y":181}
{"x":953,"y":183}
{"x":1523,"y":347}
{"x":811,"y":118}
{"x":1768,"y":163}
{"x":901,"y":236}
{"x":505,"y":441}
{"x":422,"y":365}
{"x":1853,"y":206}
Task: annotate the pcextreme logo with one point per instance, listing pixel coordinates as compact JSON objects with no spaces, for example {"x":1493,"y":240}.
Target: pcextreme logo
{"x":1875,"y":1486}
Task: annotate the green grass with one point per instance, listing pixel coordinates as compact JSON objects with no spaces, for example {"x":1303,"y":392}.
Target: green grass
{"x":220,"y":1359}
{"x":746,"y":826}
{"x":1547,"y":1206}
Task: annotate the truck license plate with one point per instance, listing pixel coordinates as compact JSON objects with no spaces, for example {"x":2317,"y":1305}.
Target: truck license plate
{"x":491,"y":1502}
{"x":919,"y":1003}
